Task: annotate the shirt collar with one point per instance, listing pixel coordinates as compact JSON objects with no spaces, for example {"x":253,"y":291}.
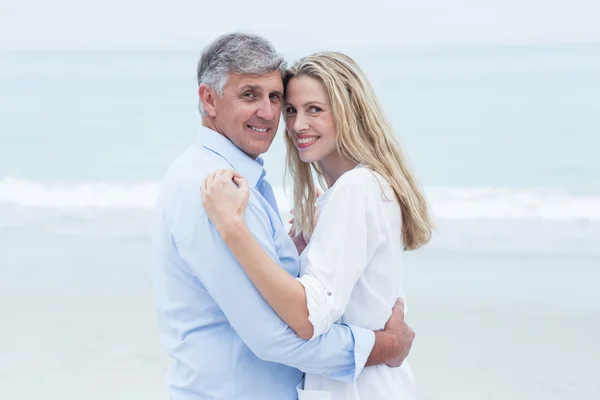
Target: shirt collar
{"x":250,"y":168}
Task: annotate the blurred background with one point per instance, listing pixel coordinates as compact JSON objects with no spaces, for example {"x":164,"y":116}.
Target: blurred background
{"x":496,"y":103}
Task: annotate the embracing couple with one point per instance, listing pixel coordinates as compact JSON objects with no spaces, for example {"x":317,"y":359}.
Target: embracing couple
{"x":250,"y":311}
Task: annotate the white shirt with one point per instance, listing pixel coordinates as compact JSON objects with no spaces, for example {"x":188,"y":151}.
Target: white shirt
{"x":352,"y":272}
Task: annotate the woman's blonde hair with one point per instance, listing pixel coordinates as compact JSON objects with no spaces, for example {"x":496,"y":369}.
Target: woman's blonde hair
{"x":364,"y":136}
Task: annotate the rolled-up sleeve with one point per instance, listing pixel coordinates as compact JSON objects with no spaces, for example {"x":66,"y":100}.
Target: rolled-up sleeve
{"x":340,"y":250}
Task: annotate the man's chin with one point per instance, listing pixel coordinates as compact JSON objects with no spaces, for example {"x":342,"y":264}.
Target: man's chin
{"x":256,"y":149}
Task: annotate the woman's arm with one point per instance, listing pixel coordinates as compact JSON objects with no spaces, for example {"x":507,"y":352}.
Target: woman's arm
{"x":283,"y":292}
{"x":335,"y":262}
{"x":225,"y":205}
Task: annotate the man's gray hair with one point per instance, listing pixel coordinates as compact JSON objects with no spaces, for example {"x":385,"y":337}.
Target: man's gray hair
{"x":237,"y":53}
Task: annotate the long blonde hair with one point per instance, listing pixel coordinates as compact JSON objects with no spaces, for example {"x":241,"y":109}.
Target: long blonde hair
{"x":364,"y":136}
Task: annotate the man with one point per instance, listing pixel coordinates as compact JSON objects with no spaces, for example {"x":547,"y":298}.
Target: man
{"x":225,"y":340}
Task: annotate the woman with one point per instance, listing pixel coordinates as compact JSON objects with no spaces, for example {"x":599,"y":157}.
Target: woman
{"x":372,"y":211}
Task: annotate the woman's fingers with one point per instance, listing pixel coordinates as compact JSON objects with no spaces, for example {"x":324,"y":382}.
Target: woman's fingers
{"x":226,"y":175}
{"x":240,"y":181}
{"x":211,"y":178}
{"x":220,"y":175}
{"x":214,"y":177}
{"x":213,"y":185}
{"x":236,"y":174}
{"x":205,"y":189}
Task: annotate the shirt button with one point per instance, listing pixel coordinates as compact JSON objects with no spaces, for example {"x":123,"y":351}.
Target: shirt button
{"x":328,"y":293}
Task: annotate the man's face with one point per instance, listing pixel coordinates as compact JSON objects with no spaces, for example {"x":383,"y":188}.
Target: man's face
{"x":248,"y":112}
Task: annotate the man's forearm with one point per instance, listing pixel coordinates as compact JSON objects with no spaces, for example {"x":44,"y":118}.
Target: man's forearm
{"x":385,"y":344}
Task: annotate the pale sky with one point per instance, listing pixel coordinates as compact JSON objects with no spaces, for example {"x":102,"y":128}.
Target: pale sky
{"x":291,"y":26}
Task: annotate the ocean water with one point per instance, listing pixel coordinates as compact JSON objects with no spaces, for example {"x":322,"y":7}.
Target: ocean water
{"x":504,"y":140}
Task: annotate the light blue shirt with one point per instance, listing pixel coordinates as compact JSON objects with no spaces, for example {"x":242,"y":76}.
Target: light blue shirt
{"x":225,"y":340}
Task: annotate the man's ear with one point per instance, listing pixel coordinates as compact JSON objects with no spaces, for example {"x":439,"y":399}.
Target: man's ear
{"x":208,"y":97}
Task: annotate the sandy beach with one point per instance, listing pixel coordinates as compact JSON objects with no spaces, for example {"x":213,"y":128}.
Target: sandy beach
{"x":103,"y":344}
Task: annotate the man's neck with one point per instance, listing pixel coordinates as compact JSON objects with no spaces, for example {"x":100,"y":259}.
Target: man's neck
{"x":209,"y":123}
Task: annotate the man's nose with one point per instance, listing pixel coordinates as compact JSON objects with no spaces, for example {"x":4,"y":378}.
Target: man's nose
{"x":266,"y":110}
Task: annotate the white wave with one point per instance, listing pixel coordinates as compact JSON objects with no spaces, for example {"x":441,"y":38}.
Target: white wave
{"x":450,"y":203}
{"x":510,"y":203}
{"x":446,"y":202}
{"x":77,"y":195}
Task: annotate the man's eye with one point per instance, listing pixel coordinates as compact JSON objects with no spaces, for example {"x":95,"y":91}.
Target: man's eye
{"x":248,"y":95}
{"x":275,"y":97}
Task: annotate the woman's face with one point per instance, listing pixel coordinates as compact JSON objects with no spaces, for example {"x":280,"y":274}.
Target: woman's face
{"x":309,"y":119}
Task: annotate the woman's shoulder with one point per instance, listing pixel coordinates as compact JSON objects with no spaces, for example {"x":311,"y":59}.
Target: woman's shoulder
{"x":361,"y":177}
{"x":360,"y":181}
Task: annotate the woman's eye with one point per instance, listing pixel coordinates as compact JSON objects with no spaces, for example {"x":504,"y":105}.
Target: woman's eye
{"x":314,"y":109}
{"x":290,"y":110}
